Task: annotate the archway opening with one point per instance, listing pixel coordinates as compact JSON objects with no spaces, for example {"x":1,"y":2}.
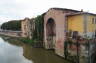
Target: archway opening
{"x":51,"y":33}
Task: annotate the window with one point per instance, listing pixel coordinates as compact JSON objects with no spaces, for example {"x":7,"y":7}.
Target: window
{"x":75,"y":34}
{"x":25,"y":33}
{"x":93,"y":19}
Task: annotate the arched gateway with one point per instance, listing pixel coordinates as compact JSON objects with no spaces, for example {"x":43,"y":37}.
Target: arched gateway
{"x":51,"y":33}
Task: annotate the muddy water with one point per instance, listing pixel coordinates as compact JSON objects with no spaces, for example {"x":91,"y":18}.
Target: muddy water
{"x":18,"y":52}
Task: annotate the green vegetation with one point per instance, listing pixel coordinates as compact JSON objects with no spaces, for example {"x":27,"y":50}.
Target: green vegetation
{"x":68,"y":55}
{"x":26,"y":40}
{"x":66,"y":49}
{"x":38,"y":32}
{"x":14,"y":25}
{"x":37,"y":35}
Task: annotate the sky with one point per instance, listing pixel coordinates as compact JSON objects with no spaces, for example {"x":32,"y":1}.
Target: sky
{"x":19,"y":9}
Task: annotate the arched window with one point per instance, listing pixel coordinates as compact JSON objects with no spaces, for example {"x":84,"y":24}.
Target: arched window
{"x":50,"y":27}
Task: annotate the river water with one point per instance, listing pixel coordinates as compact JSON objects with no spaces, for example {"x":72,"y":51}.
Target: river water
{"x":18,"y":52}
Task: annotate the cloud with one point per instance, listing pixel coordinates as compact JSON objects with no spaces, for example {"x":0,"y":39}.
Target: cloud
{"x":18,"y":9}
{"x":4,"y":19}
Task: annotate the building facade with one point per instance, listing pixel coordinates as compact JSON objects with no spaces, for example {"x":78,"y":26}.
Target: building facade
{"x":84,"y":23}
{"x":59,"y":22}
{"x":27,"y":27}
{"x":55,"y":28}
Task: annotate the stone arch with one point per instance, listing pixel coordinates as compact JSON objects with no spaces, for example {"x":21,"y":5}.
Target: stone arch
{"x":51,"y":33}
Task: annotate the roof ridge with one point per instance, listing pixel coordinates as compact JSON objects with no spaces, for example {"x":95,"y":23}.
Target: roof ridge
{"x":56,"y":8}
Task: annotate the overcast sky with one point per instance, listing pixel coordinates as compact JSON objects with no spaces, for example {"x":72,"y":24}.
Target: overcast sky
{"x":19,"y":9}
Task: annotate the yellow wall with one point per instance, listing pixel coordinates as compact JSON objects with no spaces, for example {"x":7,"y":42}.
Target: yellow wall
{"x":75,"y":23}
{"x":91,"y":27}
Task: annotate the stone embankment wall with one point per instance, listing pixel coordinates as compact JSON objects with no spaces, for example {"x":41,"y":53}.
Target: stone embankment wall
{"x":11,"y":33}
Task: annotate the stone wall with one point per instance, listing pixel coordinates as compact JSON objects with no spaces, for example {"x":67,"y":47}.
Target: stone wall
{"x":12,"y":33}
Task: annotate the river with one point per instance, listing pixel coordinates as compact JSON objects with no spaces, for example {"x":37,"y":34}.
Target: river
{"x":18,"y":52}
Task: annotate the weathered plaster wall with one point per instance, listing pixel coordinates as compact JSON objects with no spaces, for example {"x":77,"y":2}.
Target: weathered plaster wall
{"x":59,"y":19}
{"x":25,"y":27}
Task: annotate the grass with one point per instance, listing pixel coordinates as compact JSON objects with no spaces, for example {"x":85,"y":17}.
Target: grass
{"x":22,"y":39}
{"x":26,"y":40}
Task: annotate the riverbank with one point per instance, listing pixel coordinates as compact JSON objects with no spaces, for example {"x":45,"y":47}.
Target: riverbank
{"x":34,"y":43}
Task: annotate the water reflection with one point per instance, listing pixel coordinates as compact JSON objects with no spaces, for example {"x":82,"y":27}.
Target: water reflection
{"x":11,"y":54}
{"x":18,"y":52}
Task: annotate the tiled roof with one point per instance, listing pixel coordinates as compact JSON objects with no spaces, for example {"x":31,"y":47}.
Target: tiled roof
{"x":81,"y":13}
{"x":65,"y":9}
{"x":77,"y":12}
